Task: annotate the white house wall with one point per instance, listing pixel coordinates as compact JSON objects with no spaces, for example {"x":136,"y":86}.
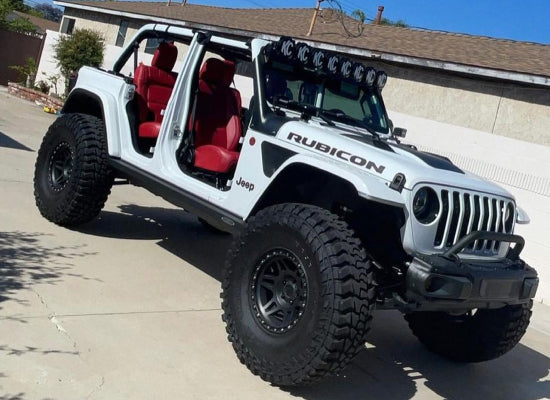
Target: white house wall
{"x":47,"y":65}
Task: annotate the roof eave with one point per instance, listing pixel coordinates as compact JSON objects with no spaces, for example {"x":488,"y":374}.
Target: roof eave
{"x":395,"y":58}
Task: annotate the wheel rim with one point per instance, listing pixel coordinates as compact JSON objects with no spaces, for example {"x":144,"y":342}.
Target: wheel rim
{"x":279,"y":290}
{"x":60,"y":166}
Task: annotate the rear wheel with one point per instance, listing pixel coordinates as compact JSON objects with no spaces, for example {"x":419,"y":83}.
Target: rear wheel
{"x":474,"y":336}
{"x":72,"y":177}
{"x":297,"y":294}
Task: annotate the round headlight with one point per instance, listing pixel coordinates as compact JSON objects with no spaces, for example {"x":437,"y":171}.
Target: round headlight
{"x":425,"y":205}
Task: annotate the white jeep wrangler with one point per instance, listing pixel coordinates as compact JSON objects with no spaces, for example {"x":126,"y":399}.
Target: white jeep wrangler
{"x":333,"y":216}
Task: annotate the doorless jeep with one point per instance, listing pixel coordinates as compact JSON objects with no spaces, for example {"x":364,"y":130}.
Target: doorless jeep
{"x":289,"y":147}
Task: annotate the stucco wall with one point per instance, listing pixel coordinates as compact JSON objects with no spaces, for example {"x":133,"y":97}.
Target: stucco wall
{"x":502,"y":108}
{"x":104,"y":23}
{"x":47,"y":66}
{"x":521,"y":167}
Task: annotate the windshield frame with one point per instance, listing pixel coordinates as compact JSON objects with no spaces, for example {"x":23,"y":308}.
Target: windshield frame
{"x":305,"y":111}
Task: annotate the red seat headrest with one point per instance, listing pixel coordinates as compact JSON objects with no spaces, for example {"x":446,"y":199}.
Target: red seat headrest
{"x":217,"y":71}
{"x":165,"y":56}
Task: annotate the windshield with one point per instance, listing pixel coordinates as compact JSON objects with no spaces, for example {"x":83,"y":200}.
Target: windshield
{"x":329,"y":97}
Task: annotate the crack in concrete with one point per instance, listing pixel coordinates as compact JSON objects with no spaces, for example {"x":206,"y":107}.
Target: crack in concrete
{"x":53,"y":319}
{"x":23,"y":317}
{"x":97,"y":389}
{"x":14,"y":181}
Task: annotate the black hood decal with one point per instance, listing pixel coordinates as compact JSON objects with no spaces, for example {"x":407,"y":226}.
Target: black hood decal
{"x":379,"y":144}
{"x":433,"y":160}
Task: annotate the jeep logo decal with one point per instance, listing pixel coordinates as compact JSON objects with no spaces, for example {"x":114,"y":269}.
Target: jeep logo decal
{"x":337,"y":153}
{"x":247,"y":185}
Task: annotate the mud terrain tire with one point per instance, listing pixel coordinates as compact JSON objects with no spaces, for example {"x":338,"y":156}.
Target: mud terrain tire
{"x":315,"y":317}
{"x":72,"y":177}
{"x":472,"y":337}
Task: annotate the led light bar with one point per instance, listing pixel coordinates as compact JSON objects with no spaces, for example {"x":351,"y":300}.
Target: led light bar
{"x":329,"y":63}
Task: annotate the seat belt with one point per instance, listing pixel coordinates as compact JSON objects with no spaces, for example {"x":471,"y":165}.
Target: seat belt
{"x":187,"y":152}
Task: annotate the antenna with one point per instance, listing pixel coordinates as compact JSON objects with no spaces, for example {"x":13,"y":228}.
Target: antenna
{"x":314,"y":17}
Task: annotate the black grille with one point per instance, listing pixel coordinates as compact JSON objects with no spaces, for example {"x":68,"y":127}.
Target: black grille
{"x":462,"y":213}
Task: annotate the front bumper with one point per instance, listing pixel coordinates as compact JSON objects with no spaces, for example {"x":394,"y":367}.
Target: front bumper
{"x":447,"y":282}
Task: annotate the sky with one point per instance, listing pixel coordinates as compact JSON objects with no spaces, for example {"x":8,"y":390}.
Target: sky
{"x":525,"y":20}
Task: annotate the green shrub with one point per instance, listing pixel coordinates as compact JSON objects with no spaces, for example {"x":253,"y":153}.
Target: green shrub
{"x":83,"y":47}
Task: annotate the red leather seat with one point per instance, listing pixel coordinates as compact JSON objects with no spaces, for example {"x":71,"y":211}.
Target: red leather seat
{"x":217,"y":117}
{"x":154,"y":86}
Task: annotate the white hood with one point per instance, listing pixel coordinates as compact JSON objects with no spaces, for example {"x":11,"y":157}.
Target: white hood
{"x":380,"y":158}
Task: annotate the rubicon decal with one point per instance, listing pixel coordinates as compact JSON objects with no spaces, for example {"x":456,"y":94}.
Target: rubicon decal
{"x":335,"y":152}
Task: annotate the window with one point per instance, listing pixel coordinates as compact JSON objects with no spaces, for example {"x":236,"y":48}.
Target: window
{"x":344,"y":102}
{"x":67,"y":26}
{"x":122,"y":28}
{"x":151,"y":45}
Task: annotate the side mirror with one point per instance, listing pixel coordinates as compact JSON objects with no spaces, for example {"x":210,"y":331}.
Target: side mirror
{"x":399,"y":132}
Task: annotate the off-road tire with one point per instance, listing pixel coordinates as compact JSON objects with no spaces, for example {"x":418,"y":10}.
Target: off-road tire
{"x":481,"y":336}
{"x":72,"y":177}
{"x":340,"y":295}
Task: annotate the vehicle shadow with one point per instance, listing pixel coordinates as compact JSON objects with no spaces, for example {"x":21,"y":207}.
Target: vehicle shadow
{"x":394,"y":365}
{"x":175,"y":230}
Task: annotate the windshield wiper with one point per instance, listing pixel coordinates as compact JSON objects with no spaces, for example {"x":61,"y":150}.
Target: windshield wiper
{"x":307,"y":110}
{"x":341,"y":116}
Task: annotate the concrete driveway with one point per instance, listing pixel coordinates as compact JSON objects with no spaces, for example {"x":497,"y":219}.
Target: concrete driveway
{"x":127,"y":307}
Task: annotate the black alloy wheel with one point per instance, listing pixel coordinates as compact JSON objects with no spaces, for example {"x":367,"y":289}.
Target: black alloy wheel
{"x":279,"y":290}
{"x":60,"y":166}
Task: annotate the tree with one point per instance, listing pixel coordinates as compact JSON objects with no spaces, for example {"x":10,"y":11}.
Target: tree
{"x":50,"y":12}
{"x":18,"y":5}
{"x":400,"y":23}
{"x":22,"y":25}
{"x":83,"y":47}
{"x":359,"y":15}
{"x":26,"y":72}
{"x":12,"y":22}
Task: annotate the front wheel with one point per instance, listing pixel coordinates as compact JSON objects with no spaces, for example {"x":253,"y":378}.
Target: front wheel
{"x":72,"y":177}
{"x":297,"y":294}
{"x":478,"y":335}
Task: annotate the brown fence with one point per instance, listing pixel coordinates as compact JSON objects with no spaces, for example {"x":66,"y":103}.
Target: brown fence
{"x":15,"y":49}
